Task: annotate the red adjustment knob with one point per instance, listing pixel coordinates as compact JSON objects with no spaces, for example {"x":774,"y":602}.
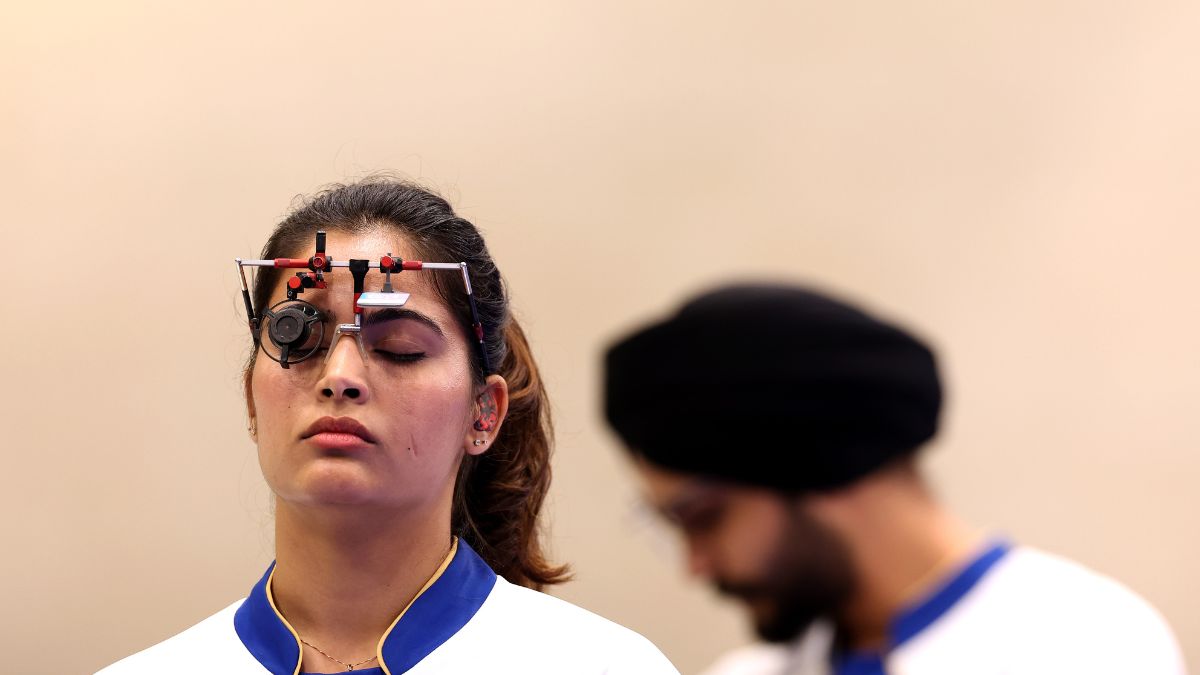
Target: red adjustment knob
{"x":387,"y":263}
{"x":318,"y":262}
{"x":294,"y":282}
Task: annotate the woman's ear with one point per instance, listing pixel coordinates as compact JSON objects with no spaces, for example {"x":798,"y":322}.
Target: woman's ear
{"x":491,"y":407}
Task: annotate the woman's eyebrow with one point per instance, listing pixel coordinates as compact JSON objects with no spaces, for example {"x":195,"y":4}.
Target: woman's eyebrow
{"x":401,"y":313}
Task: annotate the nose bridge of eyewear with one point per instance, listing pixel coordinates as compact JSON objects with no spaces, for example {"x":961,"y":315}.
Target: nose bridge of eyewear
{"x":354,"y":332}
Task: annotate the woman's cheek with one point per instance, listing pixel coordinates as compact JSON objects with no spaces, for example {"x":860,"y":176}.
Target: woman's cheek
{"x":273,"y":402}
{"x":434,"y":419}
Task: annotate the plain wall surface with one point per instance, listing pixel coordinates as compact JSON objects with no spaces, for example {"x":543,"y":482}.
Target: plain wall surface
{"x":1016,"y":181}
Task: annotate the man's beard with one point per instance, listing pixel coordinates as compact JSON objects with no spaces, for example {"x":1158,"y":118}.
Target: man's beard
{"x":808,"y":577}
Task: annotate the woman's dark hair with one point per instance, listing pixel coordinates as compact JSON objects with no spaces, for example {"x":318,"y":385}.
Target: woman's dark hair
{"x":498,"y":494}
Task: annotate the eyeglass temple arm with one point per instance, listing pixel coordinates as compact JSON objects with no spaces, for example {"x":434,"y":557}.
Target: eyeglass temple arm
{"x":476,"y":324}
{"x":250,"y":318}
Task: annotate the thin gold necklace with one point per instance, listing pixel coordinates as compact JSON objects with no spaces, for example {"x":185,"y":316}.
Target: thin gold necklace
{"x":352,"y":666}
{"x":349,"y":666}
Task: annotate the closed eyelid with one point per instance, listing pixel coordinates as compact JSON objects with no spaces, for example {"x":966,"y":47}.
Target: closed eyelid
{"x":402,"y":335}
{"x":401,"y":314}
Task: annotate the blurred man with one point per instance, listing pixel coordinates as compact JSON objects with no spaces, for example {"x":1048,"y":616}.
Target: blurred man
{"x":778,"y":429}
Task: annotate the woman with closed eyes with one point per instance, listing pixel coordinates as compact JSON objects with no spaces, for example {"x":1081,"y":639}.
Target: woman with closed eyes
{"x":408,"y":452}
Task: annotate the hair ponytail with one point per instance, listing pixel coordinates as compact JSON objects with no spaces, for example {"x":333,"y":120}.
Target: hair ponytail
{"x":499,"y":494}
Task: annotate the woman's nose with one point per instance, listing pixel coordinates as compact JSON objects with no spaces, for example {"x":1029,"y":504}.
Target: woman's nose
{"x":344,"y":376}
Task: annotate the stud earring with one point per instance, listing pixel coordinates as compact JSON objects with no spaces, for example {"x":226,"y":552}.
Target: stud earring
{"x":477,"y":442}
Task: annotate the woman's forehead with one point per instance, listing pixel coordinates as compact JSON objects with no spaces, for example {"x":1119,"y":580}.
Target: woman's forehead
{"x":370,"y":245}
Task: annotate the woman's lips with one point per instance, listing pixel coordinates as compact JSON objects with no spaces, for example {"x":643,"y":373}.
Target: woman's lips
{"x":338,"y":433}
{"x":331,"y":440}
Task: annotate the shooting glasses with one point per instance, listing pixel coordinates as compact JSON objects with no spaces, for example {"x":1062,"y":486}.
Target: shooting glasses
{"x":295,"y":328}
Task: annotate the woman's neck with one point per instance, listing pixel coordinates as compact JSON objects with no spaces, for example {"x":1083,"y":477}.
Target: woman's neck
{"x":342,"y":576}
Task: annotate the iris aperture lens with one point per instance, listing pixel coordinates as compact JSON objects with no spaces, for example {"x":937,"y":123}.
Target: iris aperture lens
{"x":295,"y":330}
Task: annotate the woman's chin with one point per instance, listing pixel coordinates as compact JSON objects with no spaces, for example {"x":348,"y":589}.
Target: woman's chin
{"x":337,"y":484}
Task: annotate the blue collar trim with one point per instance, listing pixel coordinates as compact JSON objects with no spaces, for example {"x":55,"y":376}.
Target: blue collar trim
{"x":917,"y":618}
{"x":436,"y":615}
{"x":267,"y":638}
{"x":440,"y":612}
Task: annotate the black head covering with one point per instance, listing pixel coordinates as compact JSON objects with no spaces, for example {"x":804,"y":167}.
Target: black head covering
{"x":776,"y":386}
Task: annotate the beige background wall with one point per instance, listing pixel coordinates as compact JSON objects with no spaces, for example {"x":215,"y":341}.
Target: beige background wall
{"x":1016,"y":180}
